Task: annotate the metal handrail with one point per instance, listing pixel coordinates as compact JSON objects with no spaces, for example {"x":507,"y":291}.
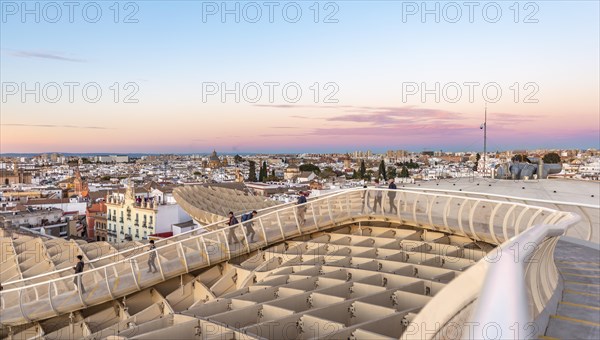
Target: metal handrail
{"x":227,"y":228}
{"x":140,"y":247}
{"x":274,"y":216}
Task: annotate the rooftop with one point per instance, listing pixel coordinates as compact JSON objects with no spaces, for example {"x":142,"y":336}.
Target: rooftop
{"x":564,"y":190}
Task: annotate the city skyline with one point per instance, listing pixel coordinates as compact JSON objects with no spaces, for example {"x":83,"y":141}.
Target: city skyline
{"x":364,"y":79}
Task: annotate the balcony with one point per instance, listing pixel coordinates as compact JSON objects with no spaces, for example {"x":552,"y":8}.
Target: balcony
{"x":121,"y":220}
{"x":114,"y":219}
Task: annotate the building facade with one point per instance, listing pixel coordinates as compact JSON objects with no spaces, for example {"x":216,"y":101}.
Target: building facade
{"x":131,"y":217}
{"x":93,"y":213}
{"x":16,"y":176}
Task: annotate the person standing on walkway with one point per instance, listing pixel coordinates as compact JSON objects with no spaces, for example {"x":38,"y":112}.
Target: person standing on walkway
{"x":301,"y":210}
{"x":392,"y":196}
{"x":231,"y":238}
{"x":77,"y":280}
{"x":152,"y":258}
{"x":364,"y":199}
{"x":247,"y":221}
{"x":377,"y":197}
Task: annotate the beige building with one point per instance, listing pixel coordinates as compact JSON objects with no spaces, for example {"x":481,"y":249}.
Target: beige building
{"x":16,"y":176}
{"x":291,"y":172}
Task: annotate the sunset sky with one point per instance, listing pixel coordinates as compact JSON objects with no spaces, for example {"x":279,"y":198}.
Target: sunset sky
{"x":376,"y":57}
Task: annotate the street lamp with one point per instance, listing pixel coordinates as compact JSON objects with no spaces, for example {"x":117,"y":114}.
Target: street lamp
{"x":483,"y":127}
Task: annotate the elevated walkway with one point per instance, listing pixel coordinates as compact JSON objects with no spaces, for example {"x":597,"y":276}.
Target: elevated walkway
{"x":363,"y":279}
{"x":479,"y":223}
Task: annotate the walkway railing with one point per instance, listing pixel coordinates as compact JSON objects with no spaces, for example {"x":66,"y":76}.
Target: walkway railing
{"x":127,"y":251}
{"x":479,"y":219}
{"x":588,"y":228}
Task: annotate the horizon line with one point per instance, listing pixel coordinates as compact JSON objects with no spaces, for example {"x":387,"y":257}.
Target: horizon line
{"x":92,"y":153}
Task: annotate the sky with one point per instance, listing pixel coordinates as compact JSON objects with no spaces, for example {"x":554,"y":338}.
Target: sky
{"x":303,"y":76}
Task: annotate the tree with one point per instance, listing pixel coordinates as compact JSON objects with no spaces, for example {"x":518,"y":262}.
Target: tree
{"x":252,"y":170}
{"x":264,"y":172}
{"x":261,"y":173}
{"x":411,"y":164}
{"x":327,"y":172}
{"x":477,"y":158}
{"x":391,"y":172}
{"x":382,"y":173}
{"x":551,"y":158}
{"x":363,"y":169}
{"x":272,"y":177}
{"x":404,"y":172}
{"x":237,"y":159}
{"x":310,"y":167}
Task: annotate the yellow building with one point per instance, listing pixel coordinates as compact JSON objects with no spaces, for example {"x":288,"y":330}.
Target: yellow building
{"x":130,"y":216}
{"x":136,"y":214}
